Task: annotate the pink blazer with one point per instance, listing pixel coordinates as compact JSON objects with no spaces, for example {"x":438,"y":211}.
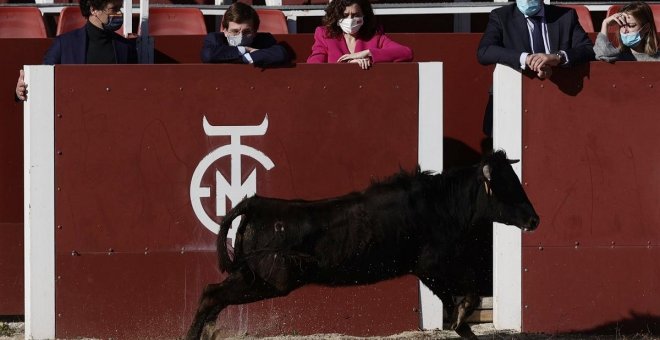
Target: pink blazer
{"x":383,"y":49}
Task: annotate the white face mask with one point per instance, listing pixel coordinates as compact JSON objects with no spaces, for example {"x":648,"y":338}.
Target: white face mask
{"x":350,"y":25}
{"x":239,"y":40}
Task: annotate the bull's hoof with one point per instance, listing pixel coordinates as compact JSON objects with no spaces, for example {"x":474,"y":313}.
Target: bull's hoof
{"x":208,"y":333}
{"x":464,"y":331}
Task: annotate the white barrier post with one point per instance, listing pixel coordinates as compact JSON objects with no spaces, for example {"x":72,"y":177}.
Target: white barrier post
{"x":39,"y":202}
{"x":430,"y":157}
{"x":507,"y":240}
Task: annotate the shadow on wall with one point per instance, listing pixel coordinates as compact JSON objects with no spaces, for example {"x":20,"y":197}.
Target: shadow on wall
{"x":456,"y":153}
{"x":569,"y":80}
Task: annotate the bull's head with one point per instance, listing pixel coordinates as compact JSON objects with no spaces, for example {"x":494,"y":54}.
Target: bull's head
{"x":502,"y":198}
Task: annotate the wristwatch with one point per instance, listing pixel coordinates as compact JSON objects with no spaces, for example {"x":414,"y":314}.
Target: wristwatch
{"x":561,"y":57}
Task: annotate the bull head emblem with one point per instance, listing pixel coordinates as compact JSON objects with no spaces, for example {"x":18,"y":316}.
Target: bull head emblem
{"x":232,"y":188}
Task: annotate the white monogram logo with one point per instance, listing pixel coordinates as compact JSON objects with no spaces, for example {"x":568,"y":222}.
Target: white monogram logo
{"x":233,"y":189}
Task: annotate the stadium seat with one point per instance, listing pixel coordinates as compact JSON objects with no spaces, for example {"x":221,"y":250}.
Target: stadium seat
{"x":584,"y":16}
{"x":272,"y":21}
{"x":176,"y":21}
{"x":616,"y":8}
{"x":71,"y":18}
{"x":21,"y":22}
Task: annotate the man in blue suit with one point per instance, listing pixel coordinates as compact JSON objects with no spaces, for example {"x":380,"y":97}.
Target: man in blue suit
{"x":94,"y":43}
{"x":239,"y":42}
{"x":532,"y":37}
{"x":514,"y":30}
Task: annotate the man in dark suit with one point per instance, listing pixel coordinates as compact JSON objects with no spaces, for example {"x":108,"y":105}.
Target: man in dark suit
{"x":510,"y":37}
{"x":94,"y":43}
{"x":531,"y":36}
{"x":239,"y":42}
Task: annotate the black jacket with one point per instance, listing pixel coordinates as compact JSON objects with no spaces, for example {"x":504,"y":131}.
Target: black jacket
{"x":217,"y":50}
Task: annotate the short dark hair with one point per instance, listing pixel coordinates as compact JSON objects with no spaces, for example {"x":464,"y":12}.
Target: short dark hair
{"x":335,"y":11}
{"x":85,"y":6}
{"x":240,"y":13}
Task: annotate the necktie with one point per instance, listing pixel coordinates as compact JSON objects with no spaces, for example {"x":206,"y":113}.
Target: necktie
{"x":537,"y":34}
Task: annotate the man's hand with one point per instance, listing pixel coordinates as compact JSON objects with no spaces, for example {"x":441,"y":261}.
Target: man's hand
{"x":537,"y":61}
{"x":250,"y":49}
{"x":545,"y":72}
{"x":21,"y":87}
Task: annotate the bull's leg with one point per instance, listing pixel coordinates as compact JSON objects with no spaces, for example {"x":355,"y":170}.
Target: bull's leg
{"x":461,"y":313}
{"x":441,"y":291}
{"x":240,"y":287}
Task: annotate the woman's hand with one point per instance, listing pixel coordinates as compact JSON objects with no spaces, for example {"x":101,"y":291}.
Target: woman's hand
{"x":364,"y":63}
{"x":620,"y":19}
{"x":352,"y":56}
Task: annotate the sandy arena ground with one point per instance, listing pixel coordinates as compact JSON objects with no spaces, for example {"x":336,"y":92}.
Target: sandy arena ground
{"x":483,"y":331}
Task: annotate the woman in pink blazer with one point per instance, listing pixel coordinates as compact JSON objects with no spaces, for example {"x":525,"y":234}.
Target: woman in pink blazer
{"x":350,"y":34}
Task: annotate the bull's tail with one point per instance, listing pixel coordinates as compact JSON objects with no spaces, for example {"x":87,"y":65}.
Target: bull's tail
{"x":224,"y":259}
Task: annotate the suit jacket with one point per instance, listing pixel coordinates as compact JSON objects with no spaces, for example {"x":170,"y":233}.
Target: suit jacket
{"x":71,"y":48}
{"x":382,"y":48}
{"x":507,"y":37}
{"x":216,"y":49}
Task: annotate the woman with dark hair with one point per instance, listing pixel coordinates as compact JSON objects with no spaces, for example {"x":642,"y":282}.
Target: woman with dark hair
{"x":350,"y":34}
{"x":637,"y":38}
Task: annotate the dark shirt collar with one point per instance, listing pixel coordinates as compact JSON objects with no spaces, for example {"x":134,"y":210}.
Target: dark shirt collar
{"x":95,"y":33}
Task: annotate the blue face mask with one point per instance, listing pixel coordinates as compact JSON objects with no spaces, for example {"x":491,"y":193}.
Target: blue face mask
{"x":529,"y":7}
{"x":114,"y":22}
{"x":631,"y":39}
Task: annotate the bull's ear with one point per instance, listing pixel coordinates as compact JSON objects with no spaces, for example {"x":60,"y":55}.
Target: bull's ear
{"x":487,"y":170}
{"x":513,"y":161}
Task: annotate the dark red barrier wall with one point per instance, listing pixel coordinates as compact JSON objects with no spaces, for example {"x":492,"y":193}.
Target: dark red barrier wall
{"x":15,"y":53}
{"x":128,"y":152}
{"x":592,"y":166}
{"x":466,"y":86}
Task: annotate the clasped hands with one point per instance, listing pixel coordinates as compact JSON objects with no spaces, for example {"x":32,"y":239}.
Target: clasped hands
{"x":542,"y":63}
{"x":362,"y":58}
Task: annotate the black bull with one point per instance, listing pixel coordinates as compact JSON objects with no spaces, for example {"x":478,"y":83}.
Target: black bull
{"x":410,"y":224}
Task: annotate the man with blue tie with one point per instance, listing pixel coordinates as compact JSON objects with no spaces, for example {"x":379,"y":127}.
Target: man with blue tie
{"x":530,"y":35}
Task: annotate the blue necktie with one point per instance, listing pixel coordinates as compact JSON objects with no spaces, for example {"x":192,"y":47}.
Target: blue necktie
{"x":537,"y":34}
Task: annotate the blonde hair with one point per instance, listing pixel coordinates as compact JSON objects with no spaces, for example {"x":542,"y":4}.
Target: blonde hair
{"x":644,"y":16}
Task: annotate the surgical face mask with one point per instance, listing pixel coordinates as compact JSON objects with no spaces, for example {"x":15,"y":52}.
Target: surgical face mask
{"x":631,"y":39}
{"x":350,"y":25}
{"x":114,"y":22}
{"x":529,"y":7}
{"x":240,"y":40}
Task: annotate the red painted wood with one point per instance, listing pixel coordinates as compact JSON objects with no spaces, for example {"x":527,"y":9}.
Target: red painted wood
{"x":16,"y":53}
{"x":591,"y":167}
{"x":11,"y":264}
{"x":124,"y":177}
